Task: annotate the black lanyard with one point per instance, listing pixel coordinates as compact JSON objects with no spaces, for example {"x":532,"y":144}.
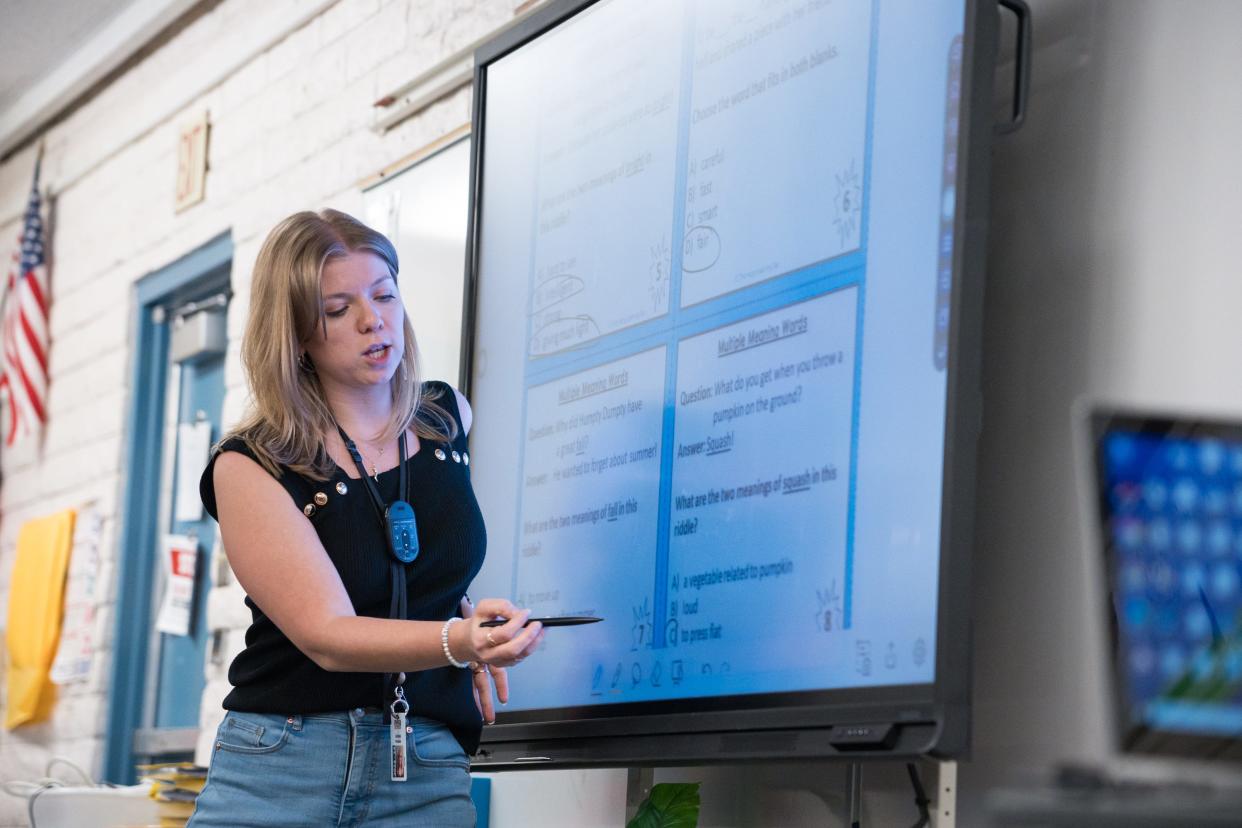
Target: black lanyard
{"x":400,"y":531}
{"x":377,"y":501}
{"x":396,"y":519}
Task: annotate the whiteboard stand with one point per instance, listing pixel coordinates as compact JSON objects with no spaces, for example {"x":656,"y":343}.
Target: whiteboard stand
{"x":939,"y":781}
{"x":638,"y":783}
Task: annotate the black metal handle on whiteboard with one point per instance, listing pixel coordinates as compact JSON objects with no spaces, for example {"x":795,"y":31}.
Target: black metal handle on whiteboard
{"x":1021,"y":64}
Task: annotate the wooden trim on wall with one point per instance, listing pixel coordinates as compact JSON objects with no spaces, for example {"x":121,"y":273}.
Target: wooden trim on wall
{"x":405,"y":162}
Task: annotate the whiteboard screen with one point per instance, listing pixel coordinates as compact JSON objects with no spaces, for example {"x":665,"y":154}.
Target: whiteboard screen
{"x":423,"y":212}
{"x":714,"y":280}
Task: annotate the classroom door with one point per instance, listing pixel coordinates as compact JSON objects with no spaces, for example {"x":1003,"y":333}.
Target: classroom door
{"x":179,"y":345}
{"x":198,"y":388}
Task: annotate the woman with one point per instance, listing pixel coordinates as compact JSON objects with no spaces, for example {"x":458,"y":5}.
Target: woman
{"x":352,"y":676}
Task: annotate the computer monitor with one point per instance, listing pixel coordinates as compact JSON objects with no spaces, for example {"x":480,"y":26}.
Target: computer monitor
{"x":1169,"y":491}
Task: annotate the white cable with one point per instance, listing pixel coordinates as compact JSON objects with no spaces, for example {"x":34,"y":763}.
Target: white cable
{"x":61,"y":760}
{"x":31,"y":791}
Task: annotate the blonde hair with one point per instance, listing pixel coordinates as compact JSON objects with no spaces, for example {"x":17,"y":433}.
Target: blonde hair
{"x":288,"y":414}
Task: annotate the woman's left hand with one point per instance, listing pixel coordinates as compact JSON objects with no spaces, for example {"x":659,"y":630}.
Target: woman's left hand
{"x":483,"y":690}
{"x":485,"y":677}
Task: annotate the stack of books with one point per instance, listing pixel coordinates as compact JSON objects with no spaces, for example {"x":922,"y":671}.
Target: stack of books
{"x":175,"y":787}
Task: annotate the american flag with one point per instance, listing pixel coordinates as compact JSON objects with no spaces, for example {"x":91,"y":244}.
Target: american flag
{"x":24,"y":328}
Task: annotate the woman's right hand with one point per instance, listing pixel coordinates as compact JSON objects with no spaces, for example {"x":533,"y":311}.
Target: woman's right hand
{"x":502,"y":646}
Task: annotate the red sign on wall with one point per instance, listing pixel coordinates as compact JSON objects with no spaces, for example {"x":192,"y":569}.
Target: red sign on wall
{"x":192,"y":163}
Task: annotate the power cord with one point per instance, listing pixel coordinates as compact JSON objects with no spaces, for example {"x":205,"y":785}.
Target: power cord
{"x":854,"y":790}
{"x":31,"y":791}
{"x":920,"y":796}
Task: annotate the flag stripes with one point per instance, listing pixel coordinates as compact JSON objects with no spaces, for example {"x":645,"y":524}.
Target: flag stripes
{"x":24,"y":334}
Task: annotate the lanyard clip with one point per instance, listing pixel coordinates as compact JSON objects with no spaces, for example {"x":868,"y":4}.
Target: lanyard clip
{"x":400,"y":700}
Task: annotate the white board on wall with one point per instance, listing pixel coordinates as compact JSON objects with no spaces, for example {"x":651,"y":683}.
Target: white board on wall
{"x":423,"y":211}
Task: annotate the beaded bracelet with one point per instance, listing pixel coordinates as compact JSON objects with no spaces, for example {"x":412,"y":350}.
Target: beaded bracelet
{"x":444,"y":631}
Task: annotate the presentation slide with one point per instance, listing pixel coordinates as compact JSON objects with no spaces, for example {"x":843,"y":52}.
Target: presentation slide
{"x":709,"y":376}
{"x":601,"y":156}
{"x":737,"y":487}
{"x":591,"y":484}
{"x":778,"y":116}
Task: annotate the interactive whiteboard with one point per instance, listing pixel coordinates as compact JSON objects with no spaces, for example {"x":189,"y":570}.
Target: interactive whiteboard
{"x":714,"y":255}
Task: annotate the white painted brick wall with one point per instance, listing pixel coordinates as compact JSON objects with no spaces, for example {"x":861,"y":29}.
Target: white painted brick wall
{"x":290,"y":130}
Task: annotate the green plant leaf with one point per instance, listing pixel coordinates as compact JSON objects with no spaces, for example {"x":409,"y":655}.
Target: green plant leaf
{"x":670,"y":805}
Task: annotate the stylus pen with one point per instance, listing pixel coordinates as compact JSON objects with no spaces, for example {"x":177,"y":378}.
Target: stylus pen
{"x":554,"y":621}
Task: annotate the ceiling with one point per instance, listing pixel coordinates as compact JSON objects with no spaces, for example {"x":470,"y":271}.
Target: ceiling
{"x":52,"y":51}
{"x":39,"y":35}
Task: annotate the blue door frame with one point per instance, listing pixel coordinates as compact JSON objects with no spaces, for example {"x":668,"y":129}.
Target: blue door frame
{"x":207,"y":266}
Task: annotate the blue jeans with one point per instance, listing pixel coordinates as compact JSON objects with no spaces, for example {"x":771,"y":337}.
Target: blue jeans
{"x":331,"y":769}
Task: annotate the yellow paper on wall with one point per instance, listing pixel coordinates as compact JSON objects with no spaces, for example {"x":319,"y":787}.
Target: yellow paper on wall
{"x":36,"y":596}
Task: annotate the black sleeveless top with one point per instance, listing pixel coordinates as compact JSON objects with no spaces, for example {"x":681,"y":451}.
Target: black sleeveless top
{"x":271,"y":675}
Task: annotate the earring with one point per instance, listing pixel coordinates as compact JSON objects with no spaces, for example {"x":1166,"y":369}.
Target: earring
{"x":305,"y":364}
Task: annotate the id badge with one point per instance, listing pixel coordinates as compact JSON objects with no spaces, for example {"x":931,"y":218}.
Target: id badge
{"x":397,"y":742}
{"x":396,"y":734}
